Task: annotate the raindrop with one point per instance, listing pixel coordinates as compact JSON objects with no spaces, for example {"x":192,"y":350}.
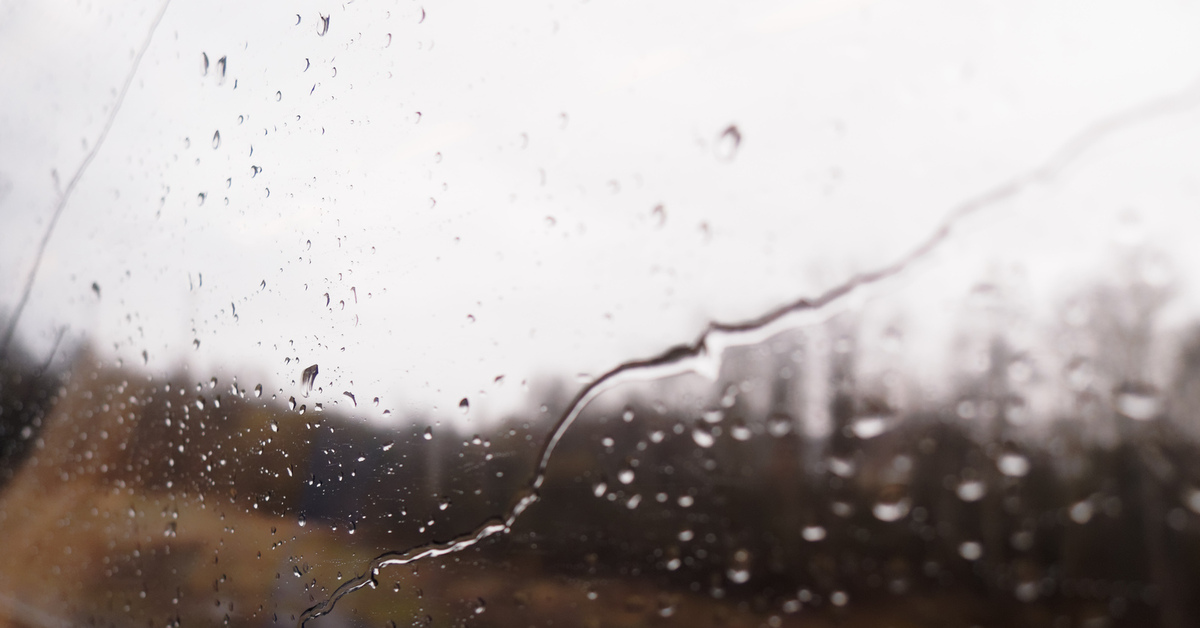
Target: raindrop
{"x":839,"y":598}
{"x":1081,"y":512}
{"x":1192,"y":499}
{"x":971,"y":490}
{"x":296,"y":571}
{"x":627,"y":415}
{"x":703,"y":437}
{"x":970,"y":550}
{"x":633,"y":502}
{"x":221,"y":63}
{"x":429,"y":433}
{"x":1137,"y":401}
{"x":659,"y":213}
{"x":200,"y":198}
{"x":388,"y":445}
{"x":351,"y":396}
{"x":258,"y":390}
{"x":479,"y":606}
{"x":278,"y":96}
{"x":728,"y":143}
{"x":464,"y":406}
{"x":1013,"y":465}
{"x":599,"y":488}
{"x":324,"y":27}
{"x":308,"y":378}
{"x":443,"y":503}
{"x":274,"y":426}
{"x":216,"y":139}
{"x":625,"y":476}
{"x":842,"y":467}
{"x":779,"y":425}
{"x":870,"y":426}
{"x":204,"y":66}
{"x":891,"y":510}
{"x":302,"y":521}
{"x":813,"y":533}
{"x":291,"y":403}
{"x":739,"y":430}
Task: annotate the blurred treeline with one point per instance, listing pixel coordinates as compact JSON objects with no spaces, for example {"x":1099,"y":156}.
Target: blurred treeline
{"x":128,"y":500}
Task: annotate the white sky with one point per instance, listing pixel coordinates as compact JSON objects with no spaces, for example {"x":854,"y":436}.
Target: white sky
{"x":547,"y":132}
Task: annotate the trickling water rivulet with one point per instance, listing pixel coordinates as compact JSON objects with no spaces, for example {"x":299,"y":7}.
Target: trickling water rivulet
{"x":703,"y":356}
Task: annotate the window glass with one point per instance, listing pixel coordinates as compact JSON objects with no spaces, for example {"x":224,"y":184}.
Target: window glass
{"x":599,"y":313}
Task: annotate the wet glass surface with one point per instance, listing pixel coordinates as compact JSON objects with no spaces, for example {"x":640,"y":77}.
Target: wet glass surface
{"x":600,"y":314}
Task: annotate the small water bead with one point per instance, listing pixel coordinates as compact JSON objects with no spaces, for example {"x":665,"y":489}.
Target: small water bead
{"x":870,"y":426}
{"x":428,"y":433}
{"x":1013,"y":465}
{"x":464,"y":406}
{"x":891,"y":510}
{"x":1138,"y":401}
{"x":971,"y":490}
{"x":1191,"y":498}
{"x":686,"y":535}
{"x":632,"y":502}
{"x":274,"y":425}
{"x":813,"y":534}
{"x":625,"y":476}
{"x":739,"y":430}
{"x":839,"y":598}
{"x":685,"y":501}
{"x":600,"y":488}
{"x":970,"y":550}
{"x":779,"y":425}
{"x":703,"y":437}
{"x":1081,"y":512}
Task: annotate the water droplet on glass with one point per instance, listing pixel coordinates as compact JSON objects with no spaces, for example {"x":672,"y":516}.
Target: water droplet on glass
{"x":296,"y":572}
{"x":739,"y":430}
{"x":204,"y":64}
{"x":464,"y":406}
{"x":842,"y":467}
{"x":703,"y":437}
{"x":258,"y":390}
{"x":728,"y":143}
{"x":779,"y":425}
{"x":870,"y":426}
{"x":891,"y":509}
{"x":599,"y":488}
{"x":1081,"y":512}
{"x":632,"y":502}
{"x":1013,"y":465}
{"x":627,"y":415}
{"x":302,"y":521}
{"x":812,"y":533}
{"x":738,"y":570}
{"x":1137,"y":401}
{"x":274,"y":425}
{"x":429,"y":433}
{"x":443,"y":503}
{"x":278,"y":96}
{"x":970,"y":550}
{"x":625,"y":476}
{"x":971,"y":490}
{"x":308,"y":379}
{"x":291,"y":403}
{"x":200,"y":198}
{"x":685,"y":501}
{"x":1192,"y":499}
{"x":216,"y":142}
{"x":839,"y":598}
{"x":324,"y":26}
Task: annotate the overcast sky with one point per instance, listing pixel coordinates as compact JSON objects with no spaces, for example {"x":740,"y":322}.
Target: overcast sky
{"x":454,"y":191}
